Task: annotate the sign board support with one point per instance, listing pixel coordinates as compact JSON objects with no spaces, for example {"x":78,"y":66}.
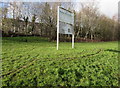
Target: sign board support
{"x":58,"y":22}
{"x":58,"y":28}
{"x":72,"y":40}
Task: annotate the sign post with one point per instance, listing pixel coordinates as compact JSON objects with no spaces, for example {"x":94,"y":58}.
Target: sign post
{"x":65,"y":24}
{"x":58,"y":28}
{"x":72,"y":40}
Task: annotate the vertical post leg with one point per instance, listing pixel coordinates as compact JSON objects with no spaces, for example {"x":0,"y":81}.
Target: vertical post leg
{"x":58,"y":28}
{"x":72,"y":40}
{"x":57,"y":39}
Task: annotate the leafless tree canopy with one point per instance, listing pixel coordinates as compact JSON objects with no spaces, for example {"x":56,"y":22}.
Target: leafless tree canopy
{"x":40,"y":19}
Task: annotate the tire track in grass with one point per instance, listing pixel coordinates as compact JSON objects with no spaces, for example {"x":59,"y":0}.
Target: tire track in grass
{"x":92,"y":53}
{"x":75,"y":58}
{"x":83,"y":52}
{"x":88,"y":55}
{"x":25,"y":66}
{"x":84,"y":56}
{"x":17,"y":70}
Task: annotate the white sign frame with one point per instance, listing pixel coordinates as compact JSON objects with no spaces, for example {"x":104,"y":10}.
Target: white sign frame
{"x":58,"y":23}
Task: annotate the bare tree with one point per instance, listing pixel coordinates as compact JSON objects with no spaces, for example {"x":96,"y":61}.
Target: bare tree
{"x":89,"y":19}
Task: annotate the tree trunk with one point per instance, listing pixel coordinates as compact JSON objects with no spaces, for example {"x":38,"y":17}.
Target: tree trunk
{"x":41,"y":31}
{"x":77,"y":34}
{"x":86,"y":35}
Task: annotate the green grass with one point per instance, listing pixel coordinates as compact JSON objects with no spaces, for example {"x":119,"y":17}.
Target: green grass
{"x":33,"y":61}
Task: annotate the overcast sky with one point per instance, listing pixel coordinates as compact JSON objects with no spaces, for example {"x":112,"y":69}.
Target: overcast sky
{"x":108,"y":7}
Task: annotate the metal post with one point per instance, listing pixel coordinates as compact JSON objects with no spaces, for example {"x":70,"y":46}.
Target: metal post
{"x":72,"y":40}
{"x":58,"y":28}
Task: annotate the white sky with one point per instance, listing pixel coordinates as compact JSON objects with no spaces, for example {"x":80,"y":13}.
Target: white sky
{"x":108,"y":7}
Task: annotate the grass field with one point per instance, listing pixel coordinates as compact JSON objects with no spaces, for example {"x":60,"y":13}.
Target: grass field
{"x":33,"y":61}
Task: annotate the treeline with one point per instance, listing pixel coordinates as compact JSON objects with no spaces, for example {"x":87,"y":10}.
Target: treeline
{"x":40,"y":19}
